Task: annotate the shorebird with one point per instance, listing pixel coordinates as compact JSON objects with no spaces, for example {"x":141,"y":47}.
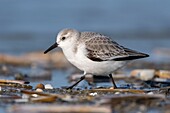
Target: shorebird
{"x":93,"y":53}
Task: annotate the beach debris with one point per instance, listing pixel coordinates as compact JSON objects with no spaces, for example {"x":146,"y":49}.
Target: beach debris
{"x":43,"y":99}
{"x":116,"y":90}
{"x":163,"y":74}
{"x":112,"y":98}
{"x":38,"y":96}
{"x":13,"y":81}
{"x":93,"y":94}
{"x":28,"y":92}
{"x":153,"y":78}
{"x":48,"y":86}
{"x":39,"y":90}
{"x":15,"y":84}
{"x":146,"y":88}
{"x":46,"y":61}
{"x":149,"y":74}
{"x":157,"y":84}
{"x":136,"y":99}
{"x":143,"y":74}
{"x":59,"y":108}
{"x":40,"y":86}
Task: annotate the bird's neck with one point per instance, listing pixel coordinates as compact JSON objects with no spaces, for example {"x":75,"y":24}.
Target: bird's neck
{"x":70,"y":52}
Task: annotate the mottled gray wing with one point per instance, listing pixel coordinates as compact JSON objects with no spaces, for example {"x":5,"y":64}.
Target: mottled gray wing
{"x":102,"y":48}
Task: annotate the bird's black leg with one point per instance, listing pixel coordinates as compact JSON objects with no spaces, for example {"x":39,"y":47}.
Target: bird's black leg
{"x":71,"y":87}
{"x":114,"y":85}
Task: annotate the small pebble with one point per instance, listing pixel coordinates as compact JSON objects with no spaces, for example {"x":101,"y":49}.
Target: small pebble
{"x":34,"y":95}
{"x":48,"y":86}
{"x":111,"y":88}
{"x":40,"y":86}
{"x":93,"y":94}
{"x":150,"y":93}
{"x":39,"y":90}
{"x":117,"y":93}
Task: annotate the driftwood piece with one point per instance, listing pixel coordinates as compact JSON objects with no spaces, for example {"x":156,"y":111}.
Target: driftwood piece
{"x":35,"y":96}
{"x":13,"y":81}
{"x":41,"y":93}
{"x":46,"y":108}
{"x":15,"y":84}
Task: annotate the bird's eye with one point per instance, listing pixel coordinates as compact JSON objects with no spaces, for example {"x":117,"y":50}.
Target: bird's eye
{"x":63,"y":38}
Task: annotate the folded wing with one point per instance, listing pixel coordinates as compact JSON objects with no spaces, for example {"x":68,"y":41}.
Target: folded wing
{"x":102,"y":48}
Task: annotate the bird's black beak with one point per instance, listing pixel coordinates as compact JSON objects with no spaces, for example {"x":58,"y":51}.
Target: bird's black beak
{"x":51,"y":48}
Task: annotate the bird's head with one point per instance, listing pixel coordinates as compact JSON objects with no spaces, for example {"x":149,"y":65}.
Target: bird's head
{"x":65,"y":39}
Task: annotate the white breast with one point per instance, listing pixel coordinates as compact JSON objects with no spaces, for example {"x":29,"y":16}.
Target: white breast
{"x":85,"y":64}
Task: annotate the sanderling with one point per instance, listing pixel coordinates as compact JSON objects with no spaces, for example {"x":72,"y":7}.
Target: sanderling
{"x":93,"y":52}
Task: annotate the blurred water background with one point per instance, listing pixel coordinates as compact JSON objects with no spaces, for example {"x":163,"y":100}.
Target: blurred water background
{"x":27,"y":26}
